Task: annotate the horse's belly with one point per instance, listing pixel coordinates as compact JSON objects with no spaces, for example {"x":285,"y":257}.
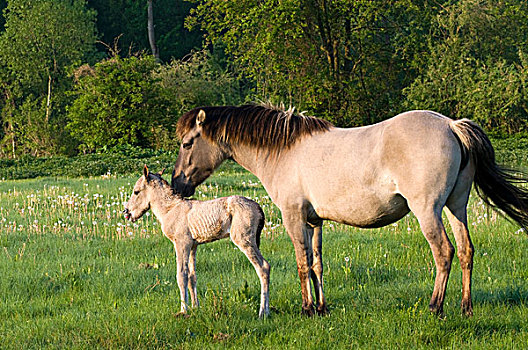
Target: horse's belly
{"x":366,"y":212}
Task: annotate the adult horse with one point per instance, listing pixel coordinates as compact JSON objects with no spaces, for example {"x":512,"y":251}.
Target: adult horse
{"x":370,"y":176}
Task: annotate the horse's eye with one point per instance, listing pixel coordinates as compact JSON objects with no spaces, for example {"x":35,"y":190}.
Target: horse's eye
{"x":136,"y":192}
{"x":187,"y":145}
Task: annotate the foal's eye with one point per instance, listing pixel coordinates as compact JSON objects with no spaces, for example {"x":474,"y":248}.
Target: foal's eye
{"x":136,"y":192}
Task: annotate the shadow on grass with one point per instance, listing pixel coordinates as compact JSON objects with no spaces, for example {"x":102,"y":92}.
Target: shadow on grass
{"x":509,"y":296}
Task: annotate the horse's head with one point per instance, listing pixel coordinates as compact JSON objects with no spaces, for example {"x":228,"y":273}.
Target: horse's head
{"x":197,"y":159}
{"x":139,"y":202}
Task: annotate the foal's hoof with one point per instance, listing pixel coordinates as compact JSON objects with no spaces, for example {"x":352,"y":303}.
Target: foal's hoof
{"x":182,"y":315}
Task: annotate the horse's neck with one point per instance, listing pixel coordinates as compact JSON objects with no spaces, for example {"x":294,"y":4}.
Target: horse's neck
{"x":163,"y":201}
{"x":256,"y":162}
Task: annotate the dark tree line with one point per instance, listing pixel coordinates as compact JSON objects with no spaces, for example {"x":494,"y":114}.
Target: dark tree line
{"x":79,"y":75}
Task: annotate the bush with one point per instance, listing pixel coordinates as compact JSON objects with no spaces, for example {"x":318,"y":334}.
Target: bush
{"x":121,"y":160}
{"x":118,"y":102}
{"x":137,"y":101}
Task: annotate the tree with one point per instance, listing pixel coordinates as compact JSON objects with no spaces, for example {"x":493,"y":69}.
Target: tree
{"x":346,"y":60}
{"x":150,"y":29}
{"x":41,"y":39}
{"x":477,"y":66}
{"x":136,"y":100}
{"x":127,"y":19}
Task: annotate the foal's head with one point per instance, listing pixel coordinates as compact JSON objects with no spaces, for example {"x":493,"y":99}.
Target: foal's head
{"x":144,"y":189}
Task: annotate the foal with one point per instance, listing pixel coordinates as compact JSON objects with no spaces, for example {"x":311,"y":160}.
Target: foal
{"x":188,"y":223}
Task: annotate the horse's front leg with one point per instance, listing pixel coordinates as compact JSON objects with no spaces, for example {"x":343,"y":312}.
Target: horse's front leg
{"x":317,"y":269}
{"x":301,"y":237}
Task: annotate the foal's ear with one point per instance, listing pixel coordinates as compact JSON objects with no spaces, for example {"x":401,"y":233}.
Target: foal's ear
{"x":200,"y":118}
{"x":146,"y":172}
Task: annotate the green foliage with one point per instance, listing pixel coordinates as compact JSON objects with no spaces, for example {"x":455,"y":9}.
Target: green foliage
{"x":345,"y":60}
{"x":511,"y":152}
{"x":117,"y":102}
{"x":128,"y":19}
{"x":36,"y":44}
{"x":351,"y":62}
{"x":477,"y":66}
{"x":41,"y":39}
{"x":137,"y":101}
{"x":198,"y":80}
{"x":114,"y":161}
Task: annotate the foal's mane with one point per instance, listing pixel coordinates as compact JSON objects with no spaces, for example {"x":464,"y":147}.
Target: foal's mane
{"x":259,"y":126}
{"x":165,"y":185}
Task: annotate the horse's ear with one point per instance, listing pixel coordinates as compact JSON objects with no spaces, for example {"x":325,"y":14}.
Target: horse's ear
{"x":200,"y":118}
{"x":162,"y":171}
{"x":146,"y":172}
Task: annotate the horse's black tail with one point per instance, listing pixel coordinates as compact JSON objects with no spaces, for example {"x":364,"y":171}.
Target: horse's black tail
{"x":498,"y":186}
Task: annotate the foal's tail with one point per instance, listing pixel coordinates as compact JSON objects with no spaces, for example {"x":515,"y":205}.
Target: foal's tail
{"x":498,"y":186}
{"x":260,"y":225}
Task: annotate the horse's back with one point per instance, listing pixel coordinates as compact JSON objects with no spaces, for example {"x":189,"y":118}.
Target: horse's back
{"x":366,"y":176}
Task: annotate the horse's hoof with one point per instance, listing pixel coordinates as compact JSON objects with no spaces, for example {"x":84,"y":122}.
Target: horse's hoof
{"x":308,"y":311}
{"x":437,"y":310}
{"x":467,"y":310}
{"x":182,"y":315}
{"x":322,"y":310}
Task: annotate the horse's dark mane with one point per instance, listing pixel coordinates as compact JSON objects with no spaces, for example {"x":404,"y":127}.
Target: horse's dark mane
{"x":253,"y":125}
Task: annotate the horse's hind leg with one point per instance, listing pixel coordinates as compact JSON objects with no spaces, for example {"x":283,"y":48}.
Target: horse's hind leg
{"x":458,"y":222}
{"x":443,"y":251}
{"x":457,"y":216}
{"x":317,"y":269}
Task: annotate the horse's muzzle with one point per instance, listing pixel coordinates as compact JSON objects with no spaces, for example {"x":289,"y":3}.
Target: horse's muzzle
{"x":127,"y":214}
{"x":182,"y":186}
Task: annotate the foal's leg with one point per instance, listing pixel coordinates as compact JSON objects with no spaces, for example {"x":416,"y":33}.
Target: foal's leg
{"x":182,"y":274}
{"x":302,"y":243}
{"x":243,"y":235}
{"x":443,"y":251}
{"x":192,"y":277}
{"x":317,"y":269}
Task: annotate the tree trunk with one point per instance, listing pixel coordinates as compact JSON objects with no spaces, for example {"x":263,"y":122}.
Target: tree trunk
{"x":150,"y":28}
{"x":48,"y":100}
{"x":13,"y":144}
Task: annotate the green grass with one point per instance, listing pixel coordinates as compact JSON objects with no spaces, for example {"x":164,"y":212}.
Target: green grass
{"x":75,"y":274}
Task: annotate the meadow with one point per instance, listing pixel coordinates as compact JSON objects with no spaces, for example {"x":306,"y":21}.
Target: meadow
{"x":75,"y":274}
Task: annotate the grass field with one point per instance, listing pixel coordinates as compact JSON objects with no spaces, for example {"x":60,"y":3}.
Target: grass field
{"x":75,"y":274}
